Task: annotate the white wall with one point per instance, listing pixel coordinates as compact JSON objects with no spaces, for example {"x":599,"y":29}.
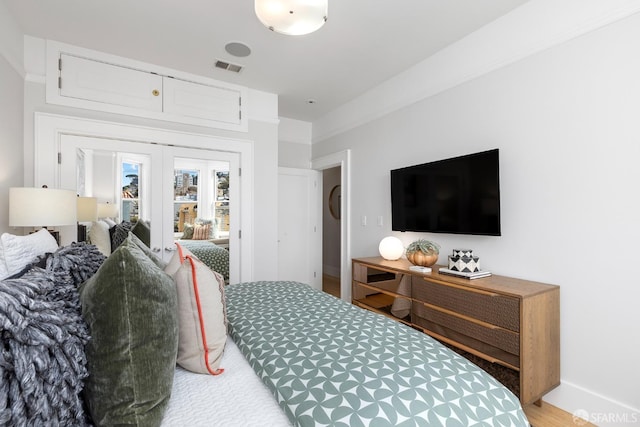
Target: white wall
{"x":11,"y":134}
{"x":294,"y":155}
{"x":566,"y":123}
{"x":104,"y":174}
{"x":11,"y":44}
{"x":294,"y":143}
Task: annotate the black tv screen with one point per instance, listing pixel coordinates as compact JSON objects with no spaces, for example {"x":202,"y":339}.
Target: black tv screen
{"x":460,"y":195}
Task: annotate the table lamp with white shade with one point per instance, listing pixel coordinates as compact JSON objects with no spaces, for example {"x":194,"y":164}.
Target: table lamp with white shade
{"x":42,"y":207}
{"x":107,"y":210}
{"x":87,"y":210}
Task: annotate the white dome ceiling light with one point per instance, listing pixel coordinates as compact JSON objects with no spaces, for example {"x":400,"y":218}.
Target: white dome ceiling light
{"x":292,"y":17}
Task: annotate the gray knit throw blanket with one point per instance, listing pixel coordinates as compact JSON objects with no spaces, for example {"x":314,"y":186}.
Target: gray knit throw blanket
{"x":42,"y":360}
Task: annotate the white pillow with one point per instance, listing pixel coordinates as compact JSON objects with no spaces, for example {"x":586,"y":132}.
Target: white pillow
{"x":99,"y":236}
{"x":19,"y":251}
{"x":202,"y":318}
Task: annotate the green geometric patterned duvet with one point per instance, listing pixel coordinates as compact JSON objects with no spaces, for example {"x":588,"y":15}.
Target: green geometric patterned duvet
{"x":329,"y":363}
{"x":213,"y":256}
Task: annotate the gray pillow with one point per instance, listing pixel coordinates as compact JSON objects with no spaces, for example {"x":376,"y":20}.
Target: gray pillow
{"x":119,"y":233}
{"x":143,"y":231}
{"x":130,"y":306}
{"x":187,"y":231}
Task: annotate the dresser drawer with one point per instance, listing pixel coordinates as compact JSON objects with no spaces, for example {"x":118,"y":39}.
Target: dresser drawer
{"x":486,"y":306}
{"x":504,"y":339}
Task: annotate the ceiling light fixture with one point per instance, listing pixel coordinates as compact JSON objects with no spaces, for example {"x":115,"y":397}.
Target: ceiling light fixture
{"x":292,"y":17}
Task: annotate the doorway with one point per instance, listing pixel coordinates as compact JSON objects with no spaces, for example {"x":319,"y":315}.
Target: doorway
{"x":331,"y":257}
{"x":50,"y":129}
{"x":342,"y":161}
{"x":140,"y":179}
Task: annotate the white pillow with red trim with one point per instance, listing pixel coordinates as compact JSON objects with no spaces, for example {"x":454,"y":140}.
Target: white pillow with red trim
{"x":202,"y":316}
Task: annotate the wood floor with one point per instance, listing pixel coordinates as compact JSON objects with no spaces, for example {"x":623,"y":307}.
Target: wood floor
{"x":331,"y":285}
{"x":551,"y":416}
{"x":545,"y":416}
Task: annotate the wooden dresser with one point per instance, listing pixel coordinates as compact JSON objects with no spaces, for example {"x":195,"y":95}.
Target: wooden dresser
{"x":511,"y":322}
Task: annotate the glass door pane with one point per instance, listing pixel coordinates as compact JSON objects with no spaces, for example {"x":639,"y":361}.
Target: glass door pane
{"x":201,"y":207}
{"x":130,"y":197}
{"x":126,"y":175}
{"x":185,"y":197}
{"x":221,"y":182}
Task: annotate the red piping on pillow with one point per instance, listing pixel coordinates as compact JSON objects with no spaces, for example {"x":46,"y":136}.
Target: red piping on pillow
{"x":200,"y":317}
{"x":180,"y":253}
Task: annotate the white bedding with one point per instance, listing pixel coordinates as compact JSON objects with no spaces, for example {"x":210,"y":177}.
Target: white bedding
{"x":235,"y":398}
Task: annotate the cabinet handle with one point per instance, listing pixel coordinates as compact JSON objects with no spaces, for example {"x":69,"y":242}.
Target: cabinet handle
{"x":170,"y":249}
{"x":156,"y":249}
{"x":155,"y":92}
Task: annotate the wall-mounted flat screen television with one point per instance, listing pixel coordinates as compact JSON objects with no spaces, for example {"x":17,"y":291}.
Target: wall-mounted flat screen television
{"x":460,"y":195}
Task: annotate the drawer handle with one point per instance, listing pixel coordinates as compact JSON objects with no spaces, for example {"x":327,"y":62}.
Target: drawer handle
{"x":155,"y":92}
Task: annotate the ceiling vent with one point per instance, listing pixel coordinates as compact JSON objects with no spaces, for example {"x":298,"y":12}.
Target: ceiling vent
{"x":228,"y":66}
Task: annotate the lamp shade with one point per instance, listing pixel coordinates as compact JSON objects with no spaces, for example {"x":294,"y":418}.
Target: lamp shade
{"x":292,"y":17}
{"x":87,"y":209}
{"x":391,"y":248}
{"x":41,"y":207}
{"x":107,"y":210}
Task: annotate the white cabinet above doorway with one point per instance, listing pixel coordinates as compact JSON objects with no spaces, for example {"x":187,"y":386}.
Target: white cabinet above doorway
{"x":105,"y":84}
{"x":83,"y":78}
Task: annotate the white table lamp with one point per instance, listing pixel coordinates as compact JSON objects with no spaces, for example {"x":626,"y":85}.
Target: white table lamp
{"x":107,"y":210}
{"x":87,"y":211}
{"x":41,"y":207}
{"x":391,"y":248}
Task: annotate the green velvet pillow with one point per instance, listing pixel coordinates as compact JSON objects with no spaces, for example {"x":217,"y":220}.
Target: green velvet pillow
{"x":130,"y":306}
{"x":143,"y":231}
{"x":147,"y":251}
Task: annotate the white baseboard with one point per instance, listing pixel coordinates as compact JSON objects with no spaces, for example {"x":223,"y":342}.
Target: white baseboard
{"x":595,"y":408}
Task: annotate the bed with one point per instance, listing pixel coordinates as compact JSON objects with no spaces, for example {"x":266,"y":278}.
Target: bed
{"x":325,"y":362}
{"x":235,"y":398}
{"x":214,"y":256}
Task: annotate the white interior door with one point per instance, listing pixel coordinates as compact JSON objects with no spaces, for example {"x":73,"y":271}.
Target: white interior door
{"x":93,"y":167}
{"x":202,"y":163}
{"x":299,"y":227}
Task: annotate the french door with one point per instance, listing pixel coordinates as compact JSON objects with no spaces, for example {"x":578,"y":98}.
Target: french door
{"x":216,"y":195}
{"x":141,"y":180}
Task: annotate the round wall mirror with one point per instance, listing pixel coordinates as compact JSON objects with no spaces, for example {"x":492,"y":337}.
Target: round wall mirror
{"x":334,"y":201}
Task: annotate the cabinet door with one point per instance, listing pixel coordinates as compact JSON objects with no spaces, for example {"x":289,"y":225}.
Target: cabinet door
{"x":109,"y":84}
{"x":200,"y":101}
